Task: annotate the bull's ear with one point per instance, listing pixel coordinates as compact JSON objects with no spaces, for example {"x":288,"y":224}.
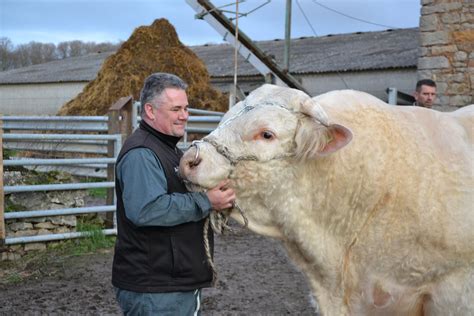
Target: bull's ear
{"x":338,"y":136}
{"x":315,"y":140}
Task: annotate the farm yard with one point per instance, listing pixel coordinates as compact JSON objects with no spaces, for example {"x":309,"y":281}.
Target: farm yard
{"x":254,"y":274}
{"x":255,"y":277}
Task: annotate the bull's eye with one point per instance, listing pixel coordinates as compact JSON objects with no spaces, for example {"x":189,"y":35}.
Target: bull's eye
{"x":267,"y":135}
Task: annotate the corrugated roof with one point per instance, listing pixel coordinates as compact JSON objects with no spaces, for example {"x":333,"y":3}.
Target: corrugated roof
{"x":74,"y":69}
{"x":343,"y":52}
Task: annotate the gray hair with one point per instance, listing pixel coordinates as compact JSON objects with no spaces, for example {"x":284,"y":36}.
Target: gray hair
{"x":156,"y":83}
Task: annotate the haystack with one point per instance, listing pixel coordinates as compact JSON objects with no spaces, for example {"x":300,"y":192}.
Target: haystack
{"x":150,"y":49}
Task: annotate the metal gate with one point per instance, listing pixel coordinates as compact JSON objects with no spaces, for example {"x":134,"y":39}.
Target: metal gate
{"x":69,"y":137}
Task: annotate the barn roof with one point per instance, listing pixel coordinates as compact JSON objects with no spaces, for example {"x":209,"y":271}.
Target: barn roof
{"x":343,"y":52}
{"x":74,"y":69}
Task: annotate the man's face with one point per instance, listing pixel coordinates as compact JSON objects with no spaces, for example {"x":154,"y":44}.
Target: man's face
{"x":171,"y":114}
{"x":426,"y":96}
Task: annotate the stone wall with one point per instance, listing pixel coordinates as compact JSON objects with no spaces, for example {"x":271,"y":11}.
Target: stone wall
{"x":447,"y":50}
{"x":48,"y":200}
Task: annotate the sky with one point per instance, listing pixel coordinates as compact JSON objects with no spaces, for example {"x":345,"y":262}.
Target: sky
{"x":54,"y":21}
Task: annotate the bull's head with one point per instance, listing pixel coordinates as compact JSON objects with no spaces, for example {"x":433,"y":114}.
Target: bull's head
{"x":257,"y":145}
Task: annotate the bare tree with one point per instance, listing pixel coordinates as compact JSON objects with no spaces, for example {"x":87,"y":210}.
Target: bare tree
{"x":22,"y":56}
{"x":6,"y":49}
{"x":76,"y":48}
{"x":36,"y":52}
{"x":49,"y":52}
{"x":63,"y":50}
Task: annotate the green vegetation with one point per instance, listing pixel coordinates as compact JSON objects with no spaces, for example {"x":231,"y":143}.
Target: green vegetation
{"x":14,"y":278}
{"x":7,"y":153}
{"x":97,"y":192}
{"x":52,"y":260}
{"x":93,"y":241}
{"x":12,"y":207}
{"x":95,"y":238}
{"x":33,"y":177}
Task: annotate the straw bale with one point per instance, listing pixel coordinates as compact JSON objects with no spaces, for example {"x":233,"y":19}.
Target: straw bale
{"x":150,"y":49}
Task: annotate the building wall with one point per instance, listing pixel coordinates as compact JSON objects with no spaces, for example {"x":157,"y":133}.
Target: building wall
{"x":37,"y":99}
{"x":46,"y":99}
{"x":447,"y":49}
{"x":373,"y":82}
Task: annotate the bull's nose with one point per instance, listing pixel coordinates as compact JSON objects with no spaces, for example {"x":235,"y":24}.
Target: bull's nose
{"x":190,"y":161}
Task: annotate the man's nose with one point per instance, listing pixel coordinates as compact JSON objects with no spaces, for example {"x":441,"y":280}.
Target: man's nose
{"x":183,"y":115}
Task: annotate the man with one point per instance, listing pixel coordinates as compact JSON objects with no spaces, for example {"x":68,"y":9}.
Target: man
{"x":160,"y":263}
{"x":425,"y":93}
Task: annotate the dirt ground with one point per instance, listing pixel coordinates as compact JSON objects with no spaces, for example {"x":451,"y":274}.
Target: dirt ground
{"x":255,"y":278}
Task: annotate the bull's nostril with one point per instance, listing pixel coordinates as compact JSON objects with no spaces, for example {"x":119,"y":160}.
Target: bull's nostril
{"x":194,"y":163}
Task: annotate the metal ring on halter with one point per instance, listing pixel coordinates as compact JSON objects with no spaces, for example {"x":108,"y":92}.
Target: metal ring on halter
{"x":195,"y":143}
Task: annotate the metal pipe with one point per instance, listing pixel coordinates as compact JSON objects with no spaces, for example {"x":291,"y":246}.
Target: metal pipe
{"x":59,"y":136}
{"x":57,"y":187}
{"x":56,"y":118}
{"x":51,"y":237}
{"x":286,"y":56}
{"x":201,"y":130}
{"x":198,"y":111}
{"x":29,"y":162}
{"x":392,"y":96}
{"x":59,"y":212}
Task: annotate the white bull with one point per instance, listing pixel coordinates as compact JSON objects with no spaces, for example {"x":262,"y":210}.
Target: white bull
{"x":373,"y":202}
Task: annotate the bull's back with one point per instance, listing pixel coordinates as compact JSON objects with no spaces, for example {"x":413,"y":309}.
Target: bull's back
{"x":465,"y":117}
{"x":423,"y":155}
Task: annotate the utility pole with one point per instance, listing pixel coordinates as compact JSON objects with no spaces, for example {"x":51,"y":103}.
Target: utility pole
{"x":250,"y":52}
{"x":286,"y":55}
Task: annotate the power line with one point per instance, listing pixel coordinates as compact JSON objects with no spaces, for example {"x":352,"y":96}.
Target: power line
{"x":306,"y":18}
{"x":315,"y":34}
{"x":352,"y":17}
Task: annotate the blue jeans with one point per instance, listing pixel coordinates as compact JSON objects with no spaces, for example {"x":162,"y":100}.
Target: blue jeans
{"x":162,"y":304}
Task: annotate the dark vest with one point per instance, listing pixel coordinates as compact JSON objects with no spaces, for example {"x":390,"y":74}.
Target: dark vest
{"x":159,"y":258}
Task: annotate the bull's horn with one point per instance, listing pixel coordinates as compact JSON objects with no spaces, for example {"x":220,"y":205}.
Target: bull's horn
{"x":314,"y":109}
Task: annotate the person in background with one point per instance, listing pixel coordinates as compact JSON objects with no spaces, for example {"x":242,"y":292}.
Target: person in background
{"x":425,"y":93}
{"x":160,"y":263}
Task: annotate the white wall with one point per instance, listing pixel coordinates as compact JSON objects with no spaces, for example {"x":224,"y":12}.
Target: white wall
{"x":37,"y":99}
{"x":373,"y":82}
{"x":47,"y":98}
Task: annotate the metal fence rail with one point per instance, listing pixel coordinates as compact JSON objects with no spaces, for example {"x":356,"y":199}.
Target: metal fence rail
{"x":60,"y":212}
{"x":53,"y":237}
{"x":203,"y":124}
{"x":117,"y":140}
{"x":56,"y":123}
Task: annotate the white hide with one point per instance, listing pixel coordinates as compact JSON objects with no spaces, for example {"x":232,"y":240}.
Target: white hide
{"x":373,"y":203}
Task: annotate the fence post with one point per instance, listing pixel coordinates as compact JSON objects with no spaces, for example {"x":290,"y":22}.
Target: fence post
{"x":120,"y":122}
{"x":2,"y":198}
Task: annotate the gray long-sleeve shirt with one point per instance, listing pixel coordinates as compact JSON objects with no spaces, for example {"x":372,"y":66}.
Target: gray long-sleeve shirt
{"x":145,"y":193}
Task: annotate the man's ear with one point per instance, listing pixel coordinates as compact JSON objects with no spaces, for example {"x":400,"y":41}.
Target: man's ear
{"x":149,"y":111}
{"x":314,"y":140}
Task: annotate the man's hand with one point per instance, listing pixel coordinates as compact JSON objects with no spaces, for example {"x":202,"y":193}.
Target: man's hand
{"x":221,"y":196}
